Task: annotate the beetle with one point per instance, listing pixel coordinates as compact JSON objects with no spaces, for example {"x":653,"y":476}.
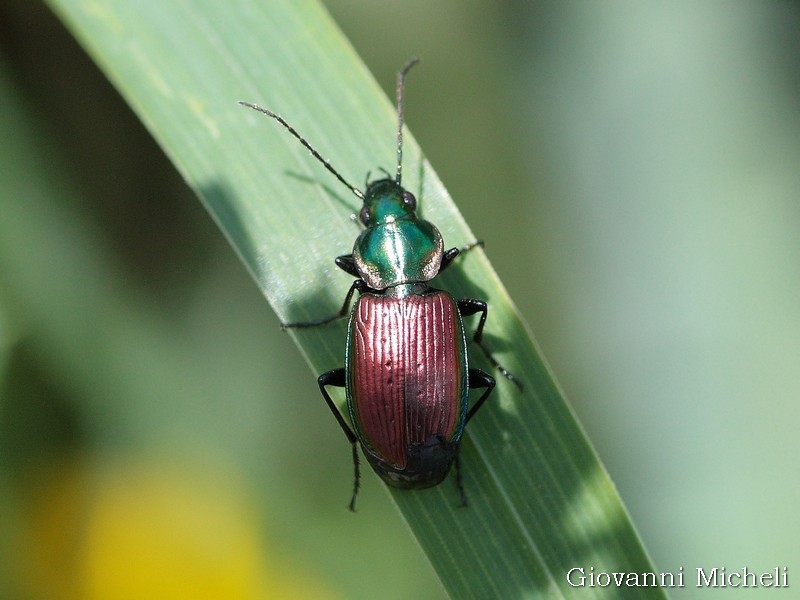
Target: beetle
{"x":406,"y":375}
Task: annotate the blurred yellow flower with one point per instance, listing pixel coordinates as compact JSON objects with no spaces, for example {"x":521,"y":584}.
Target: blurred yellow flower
{"x":143,"y":530}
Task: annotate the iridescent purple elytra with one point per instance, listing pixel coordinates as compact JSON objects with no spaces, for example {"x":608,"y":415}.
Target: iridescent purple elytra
{"x":407,"y":384}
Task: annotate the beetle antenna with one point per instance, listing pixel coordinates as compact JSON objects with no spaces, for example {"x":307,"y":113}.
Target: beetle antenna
{"x":401,"y":82}
{"x":308,"y":146}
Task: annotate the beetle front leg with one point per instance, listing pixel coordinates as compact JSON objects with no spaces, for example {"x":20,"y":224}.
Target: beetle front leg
{"x":347,"y":263}
{"x":470,"y":306}
{"x":450,"y":255}
{"x":338,"y":378}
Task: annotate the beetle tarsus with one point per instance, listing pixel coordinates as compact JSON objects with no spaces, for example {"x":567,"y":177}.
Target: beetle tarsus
{"x":462,"y":493}
{"x":503,"y":371}
{"x":356,"y":479}
{"x":308,"y":324}
{"x":475,"y":244}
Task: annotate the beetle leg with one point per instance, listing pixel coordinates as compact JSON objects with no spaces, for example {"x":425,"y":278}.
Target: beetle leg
{"x":450,"y":255}
{"x":462,"y":494}
{"x":358,"y":284}
{"x":338,"y":378}
{"x":479,"y":379}
{"x":470,"y":306}
{"x":347,"y":263}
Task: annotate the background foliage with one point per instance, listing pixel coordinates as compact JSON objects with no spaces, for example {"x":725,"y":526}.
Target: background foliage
{"x":633,"y":170}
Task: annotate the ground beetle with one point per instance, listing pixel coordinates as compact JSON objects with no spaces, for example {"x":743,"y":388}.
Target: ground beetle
{"x":406,"y":376}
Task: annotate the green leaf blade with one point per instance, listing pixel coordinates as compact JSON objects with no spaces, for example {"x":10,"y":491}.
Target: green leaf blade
{"x":540,"y":501}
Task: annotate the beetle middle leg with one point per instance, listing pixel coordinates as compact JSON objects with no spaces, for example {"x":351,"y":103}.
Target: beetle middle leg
{"x":358,"y":284}
{"x":470,"y":306}
{"x":338,"y":378}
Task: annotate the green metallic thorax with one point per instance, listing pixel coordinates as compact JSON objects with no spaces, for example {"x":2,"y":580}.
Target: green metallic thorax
{"x":396,"y":247}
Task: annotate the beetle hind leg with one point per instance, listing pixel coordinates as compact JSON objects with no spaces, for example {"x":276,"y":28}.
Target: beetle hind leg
{"x":338,"y":378}
{"x":479,"y":379}
{"x":356,"y":480}
{"x":462,"y":494}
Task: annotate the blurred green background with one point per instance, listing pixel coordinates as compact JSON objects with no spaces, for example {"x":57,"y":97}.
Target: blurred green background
{"x":634,"y":169}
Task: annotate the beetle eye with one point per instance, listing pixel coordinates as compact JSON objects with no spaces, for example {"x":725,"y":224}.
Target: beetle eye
{"x":363,"y":216}
{"x":409,"y":200}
